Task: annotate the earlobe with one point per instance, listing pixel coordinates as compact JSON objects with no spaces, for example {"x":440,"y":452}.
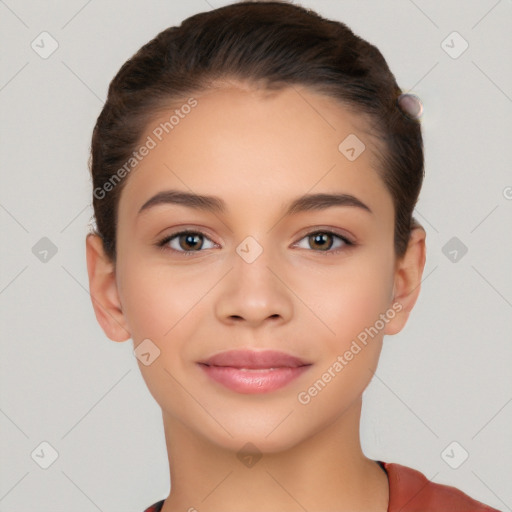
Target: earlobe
{"x":103,"y":290}
{"x":408,"y":274}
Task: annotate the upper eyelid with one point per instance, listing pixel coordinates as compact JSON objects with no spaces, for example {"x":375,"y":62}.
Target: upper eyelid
{"x":333,"y":231}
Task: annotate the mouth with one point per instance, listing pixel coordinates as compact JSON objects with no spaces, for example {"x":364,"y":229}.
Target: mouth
{"x":249,"y":371}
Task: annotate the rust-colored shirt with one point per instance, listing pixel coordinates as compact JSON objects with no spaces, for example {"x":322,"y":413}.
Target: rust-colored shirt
{"x":411,"y":491}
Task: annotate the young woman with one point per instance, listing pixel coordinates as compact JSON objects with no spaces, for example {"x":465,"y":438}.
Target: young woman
{"x":255,"y":172}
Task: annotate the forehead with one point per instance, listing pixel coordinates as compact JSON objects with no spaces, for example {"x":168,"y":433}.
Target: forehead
{"x":245,"y":143}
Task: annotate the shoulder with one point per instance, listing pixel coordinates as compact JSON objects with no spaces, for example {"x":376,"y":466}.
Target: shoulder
{"x":156,"y":507}
{"x":411,"y":491}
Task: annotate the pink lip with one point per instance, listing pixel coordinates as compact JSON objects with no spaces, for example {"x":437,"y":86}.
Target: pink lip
{"x":248,"y":371}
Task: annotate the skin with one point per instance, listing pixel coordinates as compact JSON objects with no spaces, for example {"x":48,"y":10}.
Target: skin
{"x":258,"y":151}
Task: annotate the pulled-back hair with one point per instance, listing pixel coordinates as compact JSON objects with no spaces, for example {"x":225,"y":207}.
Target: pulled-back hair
{"x":271,"y":45}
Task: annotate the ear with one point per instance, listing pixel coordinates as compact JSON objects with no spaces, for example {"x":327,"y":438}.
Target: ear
{"x":408,"y":273}
{"x":103,"y":290}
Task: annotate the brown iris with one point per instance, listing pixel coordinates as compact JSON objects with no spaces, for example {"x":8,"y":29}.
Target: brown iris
{"x":191,"y":241}
{"x":319,"y":239}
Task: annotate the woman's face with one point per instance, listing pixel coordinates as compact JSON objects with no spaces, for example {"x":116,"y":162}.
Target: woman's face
{"x":256,"y":276}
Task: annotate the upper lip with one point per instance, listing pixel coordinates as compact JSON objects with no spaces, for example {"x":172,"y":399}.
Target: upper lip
{"x":252,"y":359}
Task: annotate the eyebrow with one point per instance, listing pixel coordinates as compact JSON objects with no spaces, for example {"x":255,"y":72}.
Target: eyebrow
{"x":215,"y":204}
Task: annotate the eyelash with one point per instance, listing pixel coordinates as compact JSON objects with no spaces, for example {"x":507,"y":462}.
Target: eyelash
{"x":162,"y":244}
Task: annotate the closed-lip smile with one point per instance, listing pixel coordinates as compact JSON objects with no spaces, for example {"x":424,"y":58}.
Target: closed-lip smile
{"x":250,"y":371}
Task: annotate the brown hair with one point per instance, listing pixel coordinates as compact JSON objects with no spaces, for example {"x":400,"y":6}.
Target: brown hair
{"x":275,"y":44}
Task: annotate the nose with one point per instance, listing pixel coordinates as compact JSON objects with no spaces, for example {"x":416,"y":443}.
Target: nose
{"x":255,"y":292}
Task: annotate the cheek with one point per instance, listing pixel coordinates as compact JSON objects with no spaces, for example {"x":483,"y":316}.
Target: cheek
{"x":156,"y":302}
{"x":349,"y":299}
{"x":348,"y":351}
{"x":160,"y":305}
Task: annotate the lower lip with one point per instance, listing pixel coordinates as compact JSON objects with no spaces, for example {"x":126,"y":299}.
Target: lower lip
{"x":253,"y":381}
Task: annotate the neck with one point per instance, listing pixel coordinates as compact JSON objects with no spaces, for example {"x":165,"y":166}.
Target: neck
{"x":327,"y":471}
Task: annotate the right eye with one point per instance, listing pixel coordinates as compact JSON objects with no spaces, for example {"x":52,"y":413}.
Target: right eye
{"x":186,"y":242}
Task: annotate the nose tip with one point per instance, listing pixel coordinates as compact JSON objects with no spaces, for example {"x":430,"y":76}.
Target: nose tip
{"x":252,"y":293}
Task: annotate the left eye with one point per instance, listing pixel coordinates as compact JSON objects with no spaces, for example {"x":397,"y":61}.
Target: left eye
{"x":323,"y":241}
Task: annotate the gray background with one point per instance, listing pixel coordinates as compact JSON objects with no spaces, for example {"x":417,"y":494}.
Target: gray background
{"x":445,"y":378}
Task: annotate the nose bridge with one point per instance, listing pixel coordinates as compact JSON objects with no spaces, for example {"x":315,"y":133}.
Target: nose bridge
{"x":253,"y":292}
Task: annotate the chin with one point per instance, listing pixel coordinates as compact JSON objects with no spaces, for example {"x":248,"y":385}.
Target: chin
{"x":248,"y":440}
{"x":269,"y":432}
